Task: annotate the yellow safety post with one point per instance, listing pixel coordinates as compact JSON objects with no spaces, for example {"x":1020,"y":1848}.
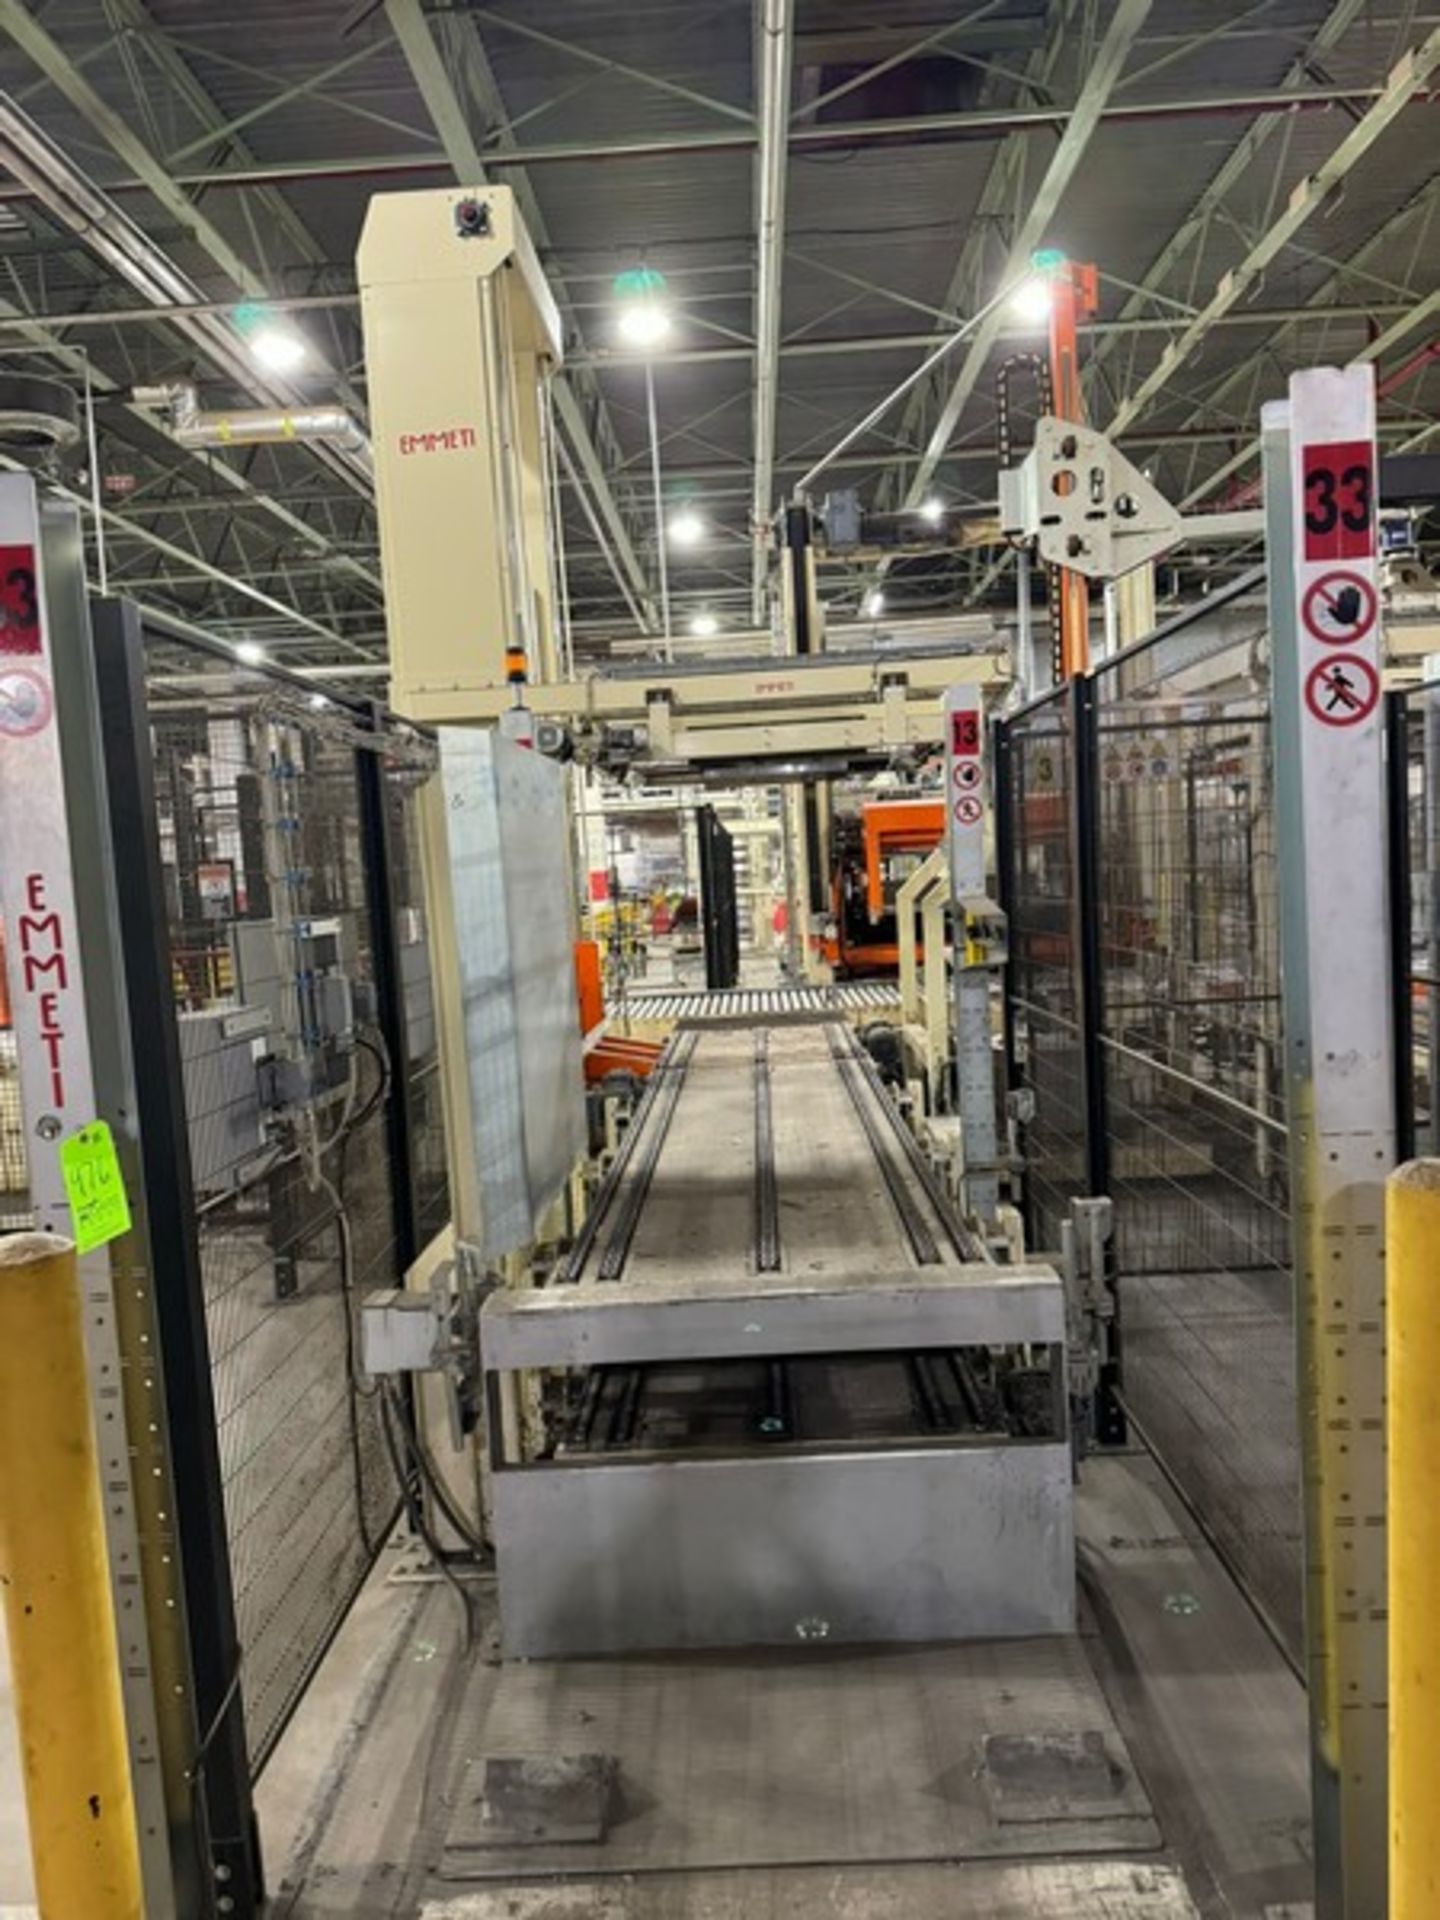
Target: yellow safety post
{"x":1412,"y":1261}
{"x":58,"y":1609}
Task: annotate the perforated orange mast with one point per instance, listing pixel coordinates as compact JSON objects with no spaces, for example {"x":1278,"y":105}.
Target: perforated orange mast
{"x":1074,"y":296}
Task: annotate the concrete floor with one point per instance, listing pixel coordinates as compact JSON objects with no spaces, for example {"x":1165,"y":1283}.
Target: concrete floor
{"x":355,"y":1804}
{"x":356,"y":1799}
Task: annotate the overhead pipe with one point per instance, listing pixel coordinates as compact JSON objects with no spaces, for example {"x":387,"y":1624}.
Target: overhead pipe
{"x":108,"y":231}
{"x":255,"y":426}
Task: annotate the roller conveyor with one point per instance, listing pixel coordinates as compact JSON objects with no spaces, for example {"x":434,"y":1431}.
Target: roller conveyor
{"x":779,"y":1384}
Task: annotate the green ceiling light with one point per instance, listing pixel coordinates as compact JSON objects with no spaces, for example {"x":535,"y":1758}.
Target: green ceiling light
{"x":644,"y":317}
{"x":272,"y":343}
{"x":1031,"y":301}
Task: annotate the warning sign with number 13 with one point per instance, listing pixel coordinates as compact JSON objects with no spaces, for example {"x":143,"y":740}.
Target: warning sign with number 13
{"x":1339,"y":501}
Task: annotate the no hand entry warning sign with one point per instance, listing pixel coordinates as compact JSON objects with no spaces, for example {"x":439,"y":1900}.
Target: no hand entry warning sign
{"x":1342,"y":690}
{"x":967,"y":774}
{"x":1339,"y":607}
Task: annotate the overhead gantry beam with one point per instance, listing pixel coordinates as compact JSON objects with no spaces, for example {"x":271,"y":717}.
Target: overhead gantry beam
{"x":414,"y":33}
{"x":775,"y":31}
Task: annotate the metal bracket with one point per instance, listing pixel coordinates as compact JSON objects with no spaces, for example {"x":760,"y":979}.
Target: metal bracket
{"x":1084,"y":505}
{"x":985,"y":934}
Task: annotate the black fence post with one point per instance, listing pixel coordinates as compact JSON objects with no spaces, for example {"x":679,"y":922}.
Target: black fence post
{"x":377,"y":848}
{"x":1087,"y":950}
{"x":220,"y":1766}
{"x":1402,"y":914}
{"x":1085,"y":867}
{"x":1003,"y":786}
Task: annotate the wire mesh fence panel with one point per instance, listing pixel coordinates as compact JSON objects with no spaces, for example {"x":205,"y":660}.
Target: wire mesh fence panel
{"x":1043,"y":991}
{"x":15,"y":1209}
{"x":1420,"y":941}
{"x":287,"y":1084}
{"x":1196,"y":1139}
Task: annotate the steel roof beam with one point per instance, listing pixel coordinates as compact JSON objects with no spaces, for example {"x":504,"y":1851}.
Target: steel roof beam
{"x":1306,"y":200}
{"x":774,"y":46}
{"x":863,"y":343}
{"x":1424,"y":204}
{"x":963,"y":124}
{"x":1195,"y":224}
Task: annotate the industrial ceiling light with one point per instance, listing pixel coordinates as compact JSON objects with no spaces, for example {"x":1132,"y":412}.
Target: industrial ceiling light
{"x":704,"y":626}
{"x":272,"y":344}
{"x":1030,"y":301}
{"x":644,"y":325}
{"x":687,"y":529}
{"x":644,"y":317}
{"x":874,"y":603}
{"x":276,"y":349}
{"x":250,"y":653}
{"x":932,"y":511}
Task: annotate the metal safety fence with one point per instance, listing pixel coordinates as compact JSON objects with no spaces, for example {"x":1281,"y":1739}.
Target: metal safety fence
{"x":281,"y":850}
{"x":1415,"y":746}
{"x":1144,"y":1031}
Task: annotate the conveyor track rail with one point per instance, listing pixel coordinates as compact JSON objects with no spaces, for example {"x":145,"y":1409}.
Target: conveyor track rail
{"x":767,"y":1198}
{"x":619,"y":1166}
{"x":967,"y":1245}
{"x":637,"y":1187}
{"x":917,"y":1232}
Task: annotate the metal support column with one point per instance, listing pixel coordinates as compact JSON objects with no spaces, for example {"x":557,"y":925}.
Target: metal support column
{"x":1319,"y":466}
{"x":968,"y":805}
{"x":57,"y":896}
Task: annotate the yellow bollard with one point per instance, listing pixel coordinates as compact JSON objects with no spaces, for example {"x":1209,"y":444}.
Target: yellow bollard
{"x":1412,"y":1316}
{"x":58,"y":1608}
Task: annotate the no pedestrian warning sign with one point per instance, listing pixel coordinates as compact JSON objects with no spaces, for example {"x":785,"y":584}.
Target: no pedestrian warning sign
{"x":1342,"y":690}
{"x":1339,"y":607}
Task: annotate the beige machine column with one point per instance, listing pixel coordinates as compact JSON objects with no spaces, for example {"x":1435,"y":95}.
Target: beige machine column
{"x":461,"y":334}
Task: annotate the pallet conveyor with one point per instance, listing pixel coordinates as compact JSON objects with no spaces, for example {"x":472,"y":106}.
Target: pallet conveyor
{"x":785,"y":1396}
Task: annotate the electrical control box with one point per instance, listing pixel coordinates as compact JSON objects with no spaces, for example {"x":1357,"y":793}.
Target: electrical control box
{"x":219,"y":1062}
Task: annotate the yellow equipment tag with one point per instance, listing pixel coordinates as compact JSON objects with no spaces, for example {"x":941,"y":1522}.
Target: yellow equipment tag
{"x":94,"y":1187}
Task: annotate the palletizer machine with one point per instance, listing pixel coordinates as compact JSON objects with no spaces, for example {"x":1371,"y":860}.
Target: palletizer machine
{"x":763,"y":1385}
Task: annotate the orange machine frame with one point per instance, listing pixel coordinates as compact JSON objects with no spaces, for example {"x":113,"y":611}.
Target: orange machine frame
{"x":896,"y":826}
{"x":887,"y":827}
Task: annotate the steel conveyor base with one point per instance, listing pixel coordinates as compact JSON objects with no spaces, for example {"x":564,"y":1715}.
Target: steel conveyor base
{"x":785,"y":1396}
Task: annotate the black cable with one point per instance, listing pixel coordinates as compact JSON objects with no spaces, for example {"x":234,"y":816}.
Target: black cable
{"x":380,"y":1054}
{"x":430,"y":1475}
{"x":416,"y":1511}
